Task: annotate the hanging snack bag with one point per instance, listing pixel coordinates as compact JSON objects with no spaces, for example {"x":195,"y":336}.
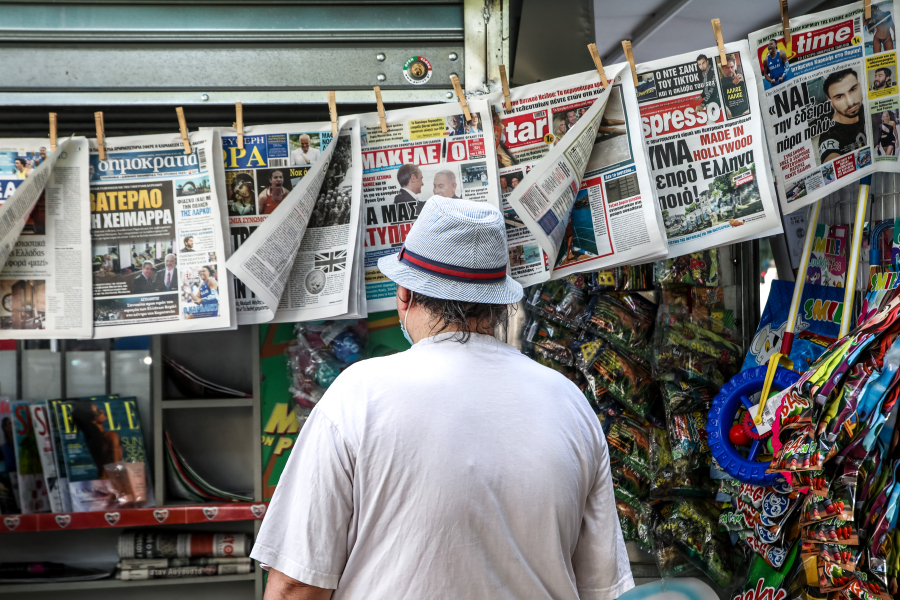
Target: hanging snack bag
{"x":697,"y":268}
{"x":622,"y":378}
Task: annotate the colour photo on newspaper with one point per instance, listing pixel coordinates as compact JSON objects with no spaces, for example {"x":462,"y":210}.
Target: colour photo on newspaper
{"x":427,"y":151}
{"x":259,"y":179}
{"x":158,"y":226}
{"x":573,"y":177}
{"x":45,"y":281}
{"x":704,"y":136}
{"x":829,"y":98}
{"x":299,"y":260}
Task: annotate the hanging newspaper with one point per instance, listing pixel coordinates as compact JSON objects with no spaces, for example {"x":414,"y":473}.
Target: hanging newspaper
{"x":573,"y":177}
{"x":427,"y":151}
{"x":158,"y":230}
{"x":830,"y":99}
{"x":703,"y":132}
{"x":44,"y":240}
{"x":324,"y":279}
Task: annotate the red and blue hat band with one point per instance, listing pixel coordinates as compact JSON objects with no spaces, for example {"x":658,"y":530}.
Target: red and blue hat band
{"x":450,"y":272}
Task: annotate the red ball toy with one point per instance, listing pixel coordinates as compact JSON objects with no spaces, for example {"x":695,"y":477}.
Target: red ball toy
{"x":738,"y":437}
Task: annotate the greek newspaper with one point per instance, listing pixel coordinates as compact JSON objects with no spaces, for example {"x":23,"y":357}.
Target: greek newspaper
{"x":573,"y":177}
{"x":158,"y":228}
{"x":301,"y":261}
{"x":427,"y":151}
{"x":829,"y":98}
{"x":703,"y":132}
{"x":45,"y":240}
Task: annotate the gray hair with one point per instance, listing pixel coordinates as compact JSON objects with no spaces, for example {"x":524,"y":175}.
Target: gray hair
{"x":450,"y":175}
{"x":447,"y":313}
{"x":172,"y":255}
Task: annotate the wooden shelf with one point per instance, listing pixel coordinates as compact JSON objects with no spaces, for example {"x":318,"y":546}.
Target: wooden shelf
{"x":207,"y":403}
{"x":135,"y":517}
{"x":19,"y":588}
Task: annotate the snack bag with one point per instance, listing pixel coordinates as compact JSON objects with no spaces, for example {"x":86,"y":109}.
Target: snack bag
{"x":621,"y":378}
{"x":697,"y":268}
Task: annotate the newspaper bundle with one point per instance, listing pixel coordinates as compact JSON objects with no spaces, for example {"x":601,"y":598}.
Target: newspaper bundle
{"x":704,"y":135}
{"x":427,"y":151}
{"x":158,"y":235}
{"x":573,"y":177}
{"x":830,"y":99}
{"x":301,"y":263}
{"x":44,"y":240}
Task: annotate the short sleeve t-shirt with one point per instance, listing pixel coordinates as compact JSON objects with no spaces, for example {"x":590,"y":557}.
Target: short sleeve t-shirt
{"x":449,"y":471}
{"x":842,"y":138}
{"x":736,"y":100}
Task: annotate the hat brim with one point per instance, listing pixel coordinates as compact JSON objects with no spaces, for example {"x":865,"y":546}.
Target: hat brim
{"x":508,"y":291}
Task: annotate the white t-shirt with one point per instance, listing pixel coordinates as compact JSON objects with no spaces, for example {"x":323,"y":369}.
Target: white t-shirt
{"x":449,"y":471}
{"x":298,"y":157}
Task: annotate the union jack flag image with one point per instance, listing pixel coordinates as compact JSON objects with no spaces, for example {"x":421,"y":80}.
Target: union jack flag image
{"x":331,"y":262}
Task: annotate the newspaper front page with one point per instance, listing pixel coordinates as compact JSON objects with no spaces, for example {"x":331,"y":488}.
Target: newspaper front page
{"x":573,"y":177}
{"x":300,"y":262}
{"x":45,"y":281}
{"x":427,"y":151}
{"x":158,"y":228}
{"x":830,"y":99}
{"x":708,"y":161}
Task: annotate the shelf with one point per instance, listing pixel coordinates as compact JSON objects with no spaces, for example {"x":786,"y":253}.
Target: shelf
{"x":135,"y":517}
{"x":207,"y":403}
{"x":18,"y":588}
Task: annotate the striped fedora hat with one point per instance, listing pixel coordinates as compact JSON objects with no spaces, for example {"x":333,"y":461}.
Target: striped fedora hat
{"x":456,"y":250}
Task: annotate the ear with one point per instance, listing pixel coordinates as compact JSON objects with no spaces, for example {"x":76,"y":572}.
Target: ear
{"x":404,"y":298}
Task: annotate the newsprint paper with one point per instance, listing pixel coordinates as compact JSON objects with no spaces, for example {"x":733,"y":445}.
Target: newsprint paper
{"x":708,"y":161}
{"x":45,"y":281}
{"x":573,"y":177}
{"x":159,"y":229}
{"x":830,"y":99}
{"x":300,"y":261}
{"x":427,"y":151}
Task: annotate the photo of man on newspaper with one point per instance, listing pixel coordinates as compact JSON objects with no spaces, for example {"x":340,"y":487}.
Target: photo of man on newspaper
{"x":848,"y":130}
{"x":774,"y":63}
{"x":200,"y":293}
{"x":734,"y":88}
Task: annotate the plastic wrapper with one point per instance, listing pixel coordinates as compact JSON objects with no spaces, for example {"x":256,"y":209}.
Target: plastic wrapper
{"x":766,"y":580}
{"x":837,"y":502}
{"x":622,"y":379}
{"x":697,"y":268}
{"x":629,"y":442}
{"x":627,"y":480}
{"x":688,"y":348}
{"x":551,"y":340}
{"x":681,"y":395}
{"x":634,"y":521}
{"x":799,"y":453}
{"x":616,"y":320}
{"x":831,"y":531}
{"x":692,"y":527}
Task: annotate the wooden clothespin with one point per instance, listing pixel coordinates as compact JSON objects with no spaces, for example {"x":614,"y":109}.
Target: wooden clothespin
{"x":717,"y":32}
{"x":332,"y":110}
{"x":239,"y":123}
{"x":52,"y":132}
{"x":592,"y":48}
{"x":786,"y":23}
{"x":867,"y":6}
{"x":101,"y":143}
{"x":182,"y":124}
{"x":462,"y":97}
{"x":380,"y":109}
{"x":505,"y":83}
{"x":629,"y":56}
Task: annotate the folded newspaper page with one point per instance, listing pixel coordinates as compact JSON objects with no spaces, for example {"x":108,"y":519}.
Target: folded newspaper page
{"x":573,"y":177}
{"x":158,"y":233}
{"x":830,"y":99}
{"x":321,"y":266}
{"x":45,"y":225}
{"x":704,"y":135}
{"x":427,"y":151}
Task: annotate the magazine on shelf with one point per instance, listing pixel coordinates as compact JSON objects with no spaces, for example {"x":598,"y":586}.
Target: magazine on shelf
{"x":573,"y":177}
{"x":33,"y":495}
{"x":57,"y":487}
{"x":44,"y":239}
{"x":705,"y":139}
{"x":130,"y":564}
{"x":9,"y":483}
{"x":147,"y":544}
{"x":103,"y":446}
{"x":829,"y":99}
{"x":191,"y":571}
{"x":427,"y":151}
{"x":304,"y":265}
{"x":187,"y":484}
{"x":158,"y":221}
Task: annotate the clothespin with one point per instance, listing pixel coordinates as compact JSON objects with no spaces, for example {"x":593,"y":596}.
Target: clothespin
{"x":380,"y":109}
{"x":462,"y":97}
{"x":101,"y":144}
{"x":592,"y":48}
{"x":505,"y":83}
{"x":717,"y":31}
{"x":52,"y":132}
{"x":867,"y":6}
{"x":332,"y":110}
{"x":182,"y":124}
{"x":785,"y":23}
{"x":239,"y":124}
{"x":629,"y":56}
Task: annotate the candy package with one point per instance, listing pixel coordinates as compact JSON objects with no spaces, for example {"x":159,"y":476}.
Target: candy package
{"x":622,"y":379}
{"x":831,"y":531}
{"x":692,"y":527}
{"x":551,"y":340}
{"x":616,"y":320}
{"x":697,"y":268}
{"x":629,"y":442}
